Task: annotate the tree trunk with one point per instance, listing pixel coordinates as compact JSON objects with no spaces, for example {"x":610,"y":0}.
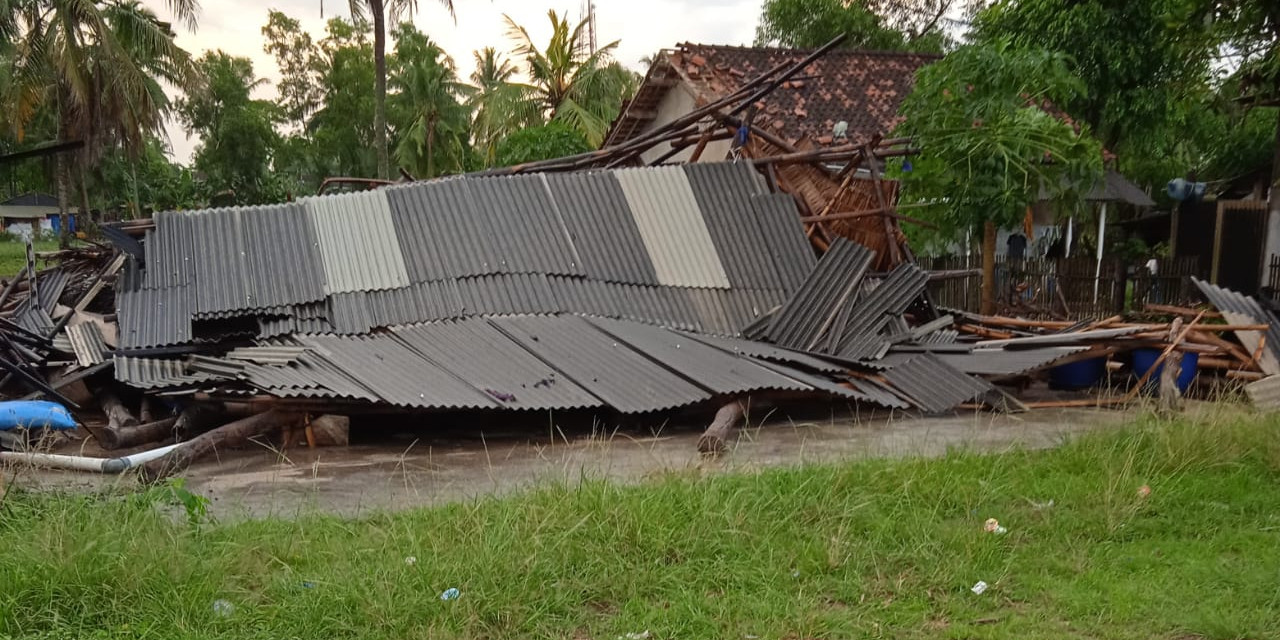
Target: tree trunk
{"x":1273,"y":208}
{"x":82,"y":179}
{"x":64,"y":218}
{"x":989,"y":268}
{"x":380,"y":90}
{"x":227,"y":435}
{"x":715,"y":439}
{"x":125,"y":437}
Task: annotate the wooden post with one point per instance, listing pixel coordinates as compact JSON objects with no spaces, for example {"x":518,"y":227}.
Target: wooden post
{"x":988,"y":268}
{"x":714,"y":440}
{"x":125,"y":437}
{"x":230,"y":434}
{"x":1170,"y":395}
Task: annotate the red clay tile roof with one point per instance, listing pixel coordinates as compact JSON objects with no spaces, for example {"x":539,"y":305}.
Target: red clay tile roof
{"x":863,"y":88}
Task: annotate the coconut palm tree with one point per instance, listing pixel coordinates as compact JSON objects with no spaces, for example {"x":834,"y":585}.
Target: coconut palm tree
{"x":99,"y":65}
{"x":499,"y":106}
{"x":381,"y":11}
{"x":429,"y":106}
{"x":571,"y":83}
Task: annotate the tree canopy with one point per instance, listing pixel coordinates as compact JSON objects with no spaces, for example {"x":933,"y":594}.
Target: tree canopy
{"x":991,"y":138}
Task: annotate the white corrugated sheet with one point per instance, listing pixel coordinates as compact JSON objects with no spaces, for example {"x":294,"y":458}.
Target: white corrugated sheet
{"x":672,"y":228}
{"x":357,"y":242}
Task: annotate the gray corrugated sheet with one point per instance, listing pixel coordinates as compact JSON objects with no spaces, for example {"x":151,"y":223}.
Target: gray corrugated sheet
{"x":652,"y":304}
{"x":728,"y":312}
{"x":279,"y":326}
{"x":282,"y":257}
{"x":933,"y":385}
{"x":396,"y":375}
{"x":812,"y":310}
{"x":32,"y":318}
{"x":769,"y":352}
{"x":443,"y":234}
{"x":220,"y":280}
{"x":506,"y":294}
{"x":530,"y":235}
{"x":154,"y":373}
{"x":1007,"y":362}
{"x":1265,"y":393}
{"x":822,"y":384}
{"x":49,"y":289}
{"x":488,"y":360}
{"x":358,"y":242}
{"x":88,"y":343}
{"x":599,"y":222}
{"x":275,"y":355}
{"x":1059,"y":339}
{"x":724,"y":192}
{"x":154,"y":317}
{"x":874,"y":310}
{"x":778,"y":218}
{"x":1238,"y":308}
{"x":611,"y":371}
{"x":671,"y":225}
{"x":878,"y":393}
{"x":310,"y":376}
{"x":170,"y":251}
{"x":708,"y":367}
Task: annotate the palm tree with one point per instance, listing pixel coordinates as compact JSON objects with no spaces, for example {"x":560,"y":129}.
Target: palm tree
{"x":429,"y":106}
{"x":98,"y":64}
{"x":499,"y":106}
{"x":571,"y":83}
{"x":381,"y":11}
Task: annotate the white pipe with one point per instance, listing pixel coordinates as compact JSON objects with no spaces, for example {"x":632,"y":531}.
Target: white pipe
{"x":83,"y":463}
{"x":1102,"y":235}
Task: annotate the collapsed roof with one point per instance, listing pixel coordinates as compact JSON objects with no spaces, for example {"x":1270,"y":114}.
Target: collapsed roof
{"x":861,"y":88}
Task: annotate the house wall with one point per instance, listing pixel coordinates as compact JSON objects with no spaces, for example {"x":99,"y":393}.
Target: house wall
{"x":678,"y":102}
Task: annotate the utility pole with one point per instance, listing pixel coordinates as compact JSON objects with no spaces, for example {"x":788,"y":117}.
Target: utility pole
{"x":589,"y":10}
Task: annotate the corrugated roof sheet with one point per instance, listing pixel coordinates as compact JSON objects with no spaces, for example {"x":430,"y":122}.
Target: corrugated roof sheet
{"x":484,"y":357}
{"x":811,"y":313}
{"x":170,"y":251}
{"x":155,"y":373}
{"x":87,"y":342}
{"x":274,"y":355}
{"x":610,"y":370}
{"x":875,"y":310}
{"x":1238,"y":308}
{"x":435,"y":228}
{"x":154,"y":317}
{"x":1007,"y":362}
{"x":723,"y":192}
{"x":396,"y":375}
{"x":32,"y":318}
{"x":529,"y":232}
{"x":1265,"y":393}
{"x":358,"y":242}
{"x":933,"y":385}
{"x":671,"y":225}
{"x":793,"y":256}
{"x":507,"y":294}
{"x":220,"y":281}
{"x":282,"y":258}
{"x":708,"y":367}
{"x":599,"y":222}
{"x":49,"y":289}
{"x":769,"y":352}
{"x":1060,"y":339}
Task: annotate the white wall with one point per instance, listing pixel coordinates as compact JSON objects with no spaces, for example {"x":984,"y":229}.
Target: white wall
{"x":678,"y":102}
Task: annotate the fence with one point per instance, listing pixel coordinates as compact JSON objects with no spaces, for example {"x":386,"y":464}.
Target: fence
{"x":1065,"y":288}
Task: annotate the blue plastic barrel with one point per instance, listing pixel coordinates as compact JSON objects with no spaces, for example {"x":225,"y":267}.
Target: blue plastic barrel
{"x":1144,"y":358}
{"x":1078,"y":375}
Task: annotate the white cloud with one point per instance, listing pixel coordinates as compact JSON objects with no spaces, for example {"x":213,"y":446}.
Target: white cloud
{"x":642,"y":27}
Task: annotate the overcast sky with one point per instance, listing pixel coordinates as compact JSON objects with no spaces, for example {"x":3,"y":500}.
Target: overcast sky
{"x":642,"y":26}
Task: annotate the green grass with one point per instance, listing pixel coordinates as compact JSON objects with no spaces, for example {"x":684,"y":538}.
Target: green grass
{"x":882,"y":548}
{"x":13,"y":255}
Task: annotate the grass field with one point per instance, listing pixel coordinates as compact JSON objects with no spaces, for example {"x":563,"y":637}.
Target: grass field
{"x":13,"y":255}
{"x":871,"y":549}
